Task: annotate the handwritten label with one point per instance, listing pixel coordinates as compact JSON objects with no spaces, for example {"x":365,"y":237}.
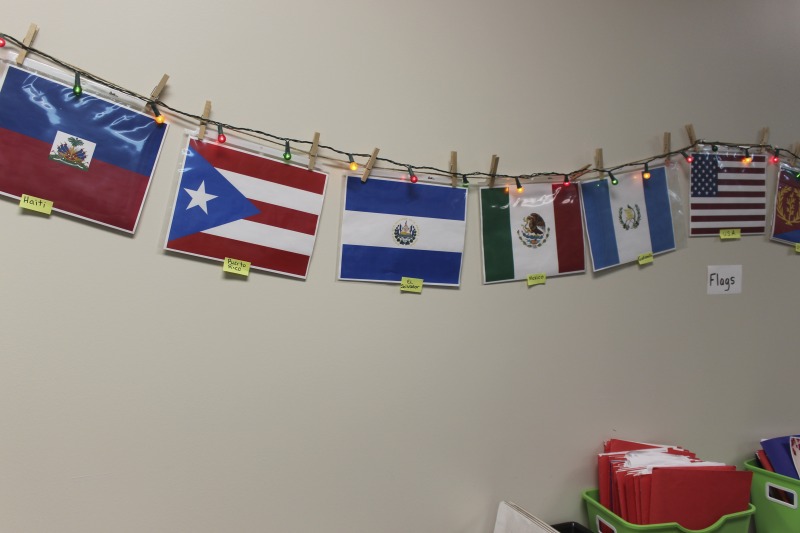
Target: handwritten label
{"x":410,"y":285}
{"x":536,"y":279}
{"x":645,"y":259}
{"x":235,"y":266}
{"x":730,"y":234}
{"x":724,"y":279}
{"x":36,"y":204}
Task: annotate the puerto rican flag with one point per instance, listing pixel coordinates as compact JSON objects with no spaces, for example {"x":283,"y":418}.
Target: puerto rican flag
{"x":233,"y":203}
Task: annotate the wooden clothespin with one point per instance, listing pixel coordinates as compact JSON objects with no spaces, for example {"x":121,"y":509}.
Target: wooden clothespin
{"x":312,"y":155}
{"x":667,"y":145}
{"x":204,"y":121}
{"x":763,"y":139}
{"x":454,"y":169}
{"x":370,"y":164}
{"x":157,"y":90}
{"x":27,"y":41}
{"x":692,"y":137}
{"x":493,"y":169}
{"x":598,"y":163}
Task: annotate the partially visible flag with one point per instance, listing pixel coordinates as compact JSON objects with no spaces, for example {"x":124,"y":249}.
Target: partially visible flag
{"x":232,"y":203}
{"x":537,"y":231}
{"x":393,"y":229}
{"x":786,"y":217}
{"x":727,"y":194}
{"x":91,"y":157}
{"x":627,"y":220}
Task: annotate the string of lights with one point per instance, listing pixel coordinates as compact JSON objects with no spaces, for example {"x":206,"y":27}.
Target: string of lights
{"x":776,"y":153}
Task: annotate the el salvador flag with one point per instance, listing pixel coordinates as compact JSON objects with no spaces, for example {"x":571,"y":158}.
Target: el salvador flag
{"x":393,"y":229}
{"x":629,"y":219}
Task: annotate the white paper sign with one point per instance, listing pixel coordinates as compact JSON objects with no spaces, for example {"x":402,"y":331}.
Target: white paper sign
{"x":724,"y":279}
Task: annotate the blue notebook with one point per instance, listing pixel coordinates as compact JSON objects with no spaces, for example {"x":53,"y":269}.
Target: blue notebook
{"x":780,"y":455}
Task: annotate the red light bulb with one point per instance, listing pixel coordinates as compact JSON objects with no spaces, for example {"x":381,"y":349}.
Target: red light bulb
{"x":2,"y":42}
{"x":411,"y":175}
{"x":221,"y":138}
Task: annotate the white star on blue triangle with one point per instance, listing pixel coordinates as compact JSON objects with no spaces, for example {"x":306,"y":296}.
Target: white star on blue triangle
{"x":228,"y":203}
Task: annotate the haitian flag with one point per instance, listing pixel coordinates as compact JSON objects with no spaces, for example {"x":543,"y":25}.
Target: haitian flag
{"x":93,"y":158}
{"x":393,"y":229}
{"x":629,"y":219}
{"x":786,"y":217}
{"x":232,"y":203}
{"x":539,"y":230}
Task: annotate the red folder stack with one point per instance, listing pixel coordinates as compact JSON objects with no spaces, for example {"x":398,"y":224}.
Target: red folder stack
{"x":653,"y":484}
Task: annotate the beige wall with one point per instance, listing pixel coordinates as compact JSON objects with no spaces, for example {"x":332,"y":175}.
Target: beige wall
{"x":145,"y":392}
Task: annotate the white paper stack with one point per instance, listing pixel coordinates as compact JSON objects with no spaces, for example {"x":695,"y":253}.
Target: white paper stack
{"x":512,"y":518}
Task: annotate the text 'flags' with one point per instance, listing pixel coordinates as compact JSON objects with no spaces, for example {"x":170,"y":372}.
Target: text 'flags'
{"x":232,"y":203}
{"x":537,"y":231}
{"x":93,"y":158}
{"x":393,"y":229}
{"x":627,"y":220}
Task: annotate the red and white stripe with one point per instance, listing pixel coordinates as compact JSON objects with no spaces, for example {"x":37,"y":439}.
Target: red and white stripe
{"x":740,"y":202}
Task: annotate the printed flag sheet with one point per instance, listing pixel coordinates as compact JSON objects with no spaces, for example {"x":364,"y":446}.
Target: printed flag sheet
{"x":236,"y":204}
{"x":727,"y":193}
{"x":93,"y":158}
{"x":537,"y":231}
{"x":393,"y":229}
{"x":629,"y":219}
{"x":786,"y":215}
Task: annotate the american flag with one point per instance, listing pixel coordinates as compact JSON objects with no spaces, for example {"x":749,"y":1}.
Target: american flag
{"x":728,"y":193}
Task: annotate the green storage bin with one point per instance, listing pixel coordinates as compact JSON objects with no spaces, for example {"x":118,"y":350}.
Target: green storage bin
{"x":600,"y":516}
{"x":775,"y":498}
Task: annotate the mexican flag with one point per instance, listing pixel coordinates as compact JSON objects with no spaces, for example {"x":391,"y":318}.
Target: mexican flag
{"x":537,"y":231}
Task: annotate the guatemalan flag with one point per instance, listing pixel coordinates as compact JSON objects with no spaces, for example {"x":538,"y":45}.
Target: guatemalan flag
{"x":786,"y":216}
{"x":236,"y":204}
{"x":629,"y":219}
{"x":93,"y":158}
{"x":536,"y":231}
{"x":393,"y":229}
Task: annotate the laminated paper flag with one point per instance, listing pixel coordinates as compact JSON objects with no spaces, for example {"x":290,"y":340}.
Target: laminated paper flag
{"x":537,"y":231}
{"x":393,"y":229}
{"x":728,"y":194}
{"x":786,"y":218}
{"x":232,"y":203}
{"x":91,"y":157}
{"x":626,"y":220}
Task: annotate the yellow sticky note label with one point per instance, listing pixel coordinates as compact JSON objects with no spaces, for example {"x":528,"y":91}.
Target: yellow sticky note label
{"x":410,"y":285}
{"x":236,"y":266}
{"x":33,"y":203}
{"x":730,"y":233}
{"x":536,"y":279}
{"x":797,"y":248}
{"x":645,"y":259}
